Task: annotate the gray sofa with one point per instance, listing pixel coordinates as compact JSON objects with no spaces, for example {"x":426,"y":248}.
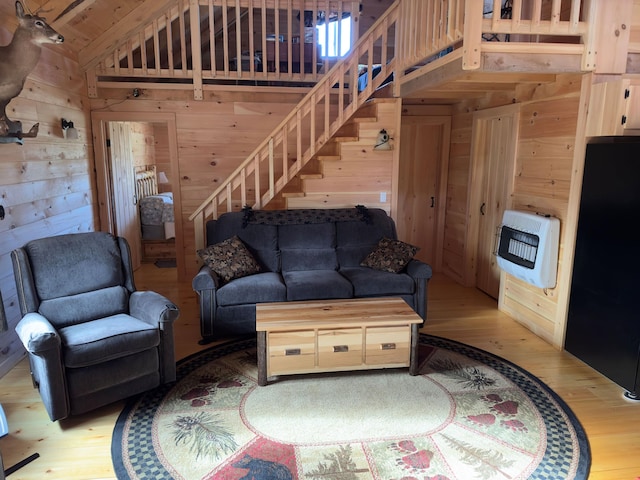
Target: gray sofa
{"x":302,"y":255}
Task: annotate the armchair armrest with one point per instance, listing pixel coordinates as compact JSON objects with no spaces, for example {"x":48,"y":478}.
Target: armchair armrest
{"x":37,"y":335}
{"x":44,"y":346}
{"x":205,"y":279}
{"x":153,"y":308}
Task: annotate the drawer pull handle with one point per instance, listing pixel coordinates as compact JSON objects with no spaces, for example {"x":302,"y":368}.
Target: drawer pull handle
{"x":292,"y":351}
{"x":388,"y":346}
{"x":340,"y":348}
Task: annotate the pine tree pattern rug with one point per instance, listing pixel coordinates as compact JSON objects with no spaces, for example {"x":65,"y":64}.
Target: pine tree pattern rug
{"x":467,"y":415}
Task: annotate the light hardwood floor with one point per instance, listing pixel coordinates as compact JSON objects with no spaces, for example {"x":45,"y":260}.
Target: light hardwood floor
{"x":80,"y":447}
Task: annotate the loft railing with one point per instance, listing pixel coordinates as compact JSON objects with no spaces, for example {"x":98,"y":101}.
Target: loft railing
{"x":285,"y":44}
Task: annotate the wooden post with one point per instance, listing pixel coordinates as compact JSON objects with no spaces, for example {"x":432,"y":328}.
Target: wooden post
{"x":196,"y":52}
{"x":471,"y":49}
{"x":607,"y":43}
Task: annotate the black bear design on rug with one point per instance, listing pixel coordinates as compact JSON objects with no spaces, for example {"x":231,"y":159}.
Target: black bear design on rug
{"x":263,"y":469}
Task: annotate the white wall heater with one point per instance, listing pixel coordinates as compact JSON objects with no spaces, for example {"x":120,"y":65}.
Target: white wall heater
{"x":528,"y":247}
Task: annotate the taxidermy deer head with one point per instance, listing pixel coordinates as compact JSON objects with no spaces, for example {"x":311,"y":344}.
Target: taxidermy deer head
{"x":16,"y":62}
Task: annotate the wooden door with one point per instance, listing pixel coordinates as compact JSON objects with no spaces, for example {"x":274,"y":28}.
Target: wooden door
{"x":494,"y":144}
{"x":125,"y":209}
{"x":424,"y":154}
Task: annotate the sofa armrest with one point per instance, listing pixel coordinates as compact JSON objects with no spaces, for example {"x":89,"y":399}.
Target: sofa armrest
{"x":205,"y":279}
{"x":419,"y":269}
{"x":205,"y":284}
{"x":421,"y":273}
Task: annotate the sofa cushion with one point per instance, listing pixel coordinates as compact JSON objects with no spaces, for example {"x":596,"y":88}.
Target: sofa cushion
{"x":259,"y":288}
{"x":370,"y":283}
{"x":261,"y":240}
{"x":354,"y":240}
{"x":106,"y":339}
{"x":309,"y":259}
{"x":390,"y":255}
{"x":316,"y":284}
{"x":230,"y":259}
{"x":308,"y":247}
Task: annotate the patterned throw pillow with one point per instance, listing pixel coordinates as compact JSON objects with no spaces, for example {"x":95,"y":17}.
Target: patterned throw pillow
{"x":230,"y":259}
{"x":390,"y":255}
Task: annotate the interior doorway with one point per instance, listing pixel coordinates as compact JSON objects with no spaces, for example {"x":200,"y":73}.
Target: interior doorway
{"x":422,"y":183}
{"x":112,"y":165}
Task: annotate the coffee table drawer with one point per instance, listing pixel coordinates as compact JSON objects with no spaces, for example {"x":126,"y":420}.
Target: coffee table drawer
{"x":388,"y":345}
{"x":340,"y":347}
{"x":291,"y":352}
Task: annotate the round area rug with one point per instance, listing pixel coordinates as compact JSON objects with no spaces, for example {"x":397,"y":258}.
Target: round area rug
{"x":467,"y":415}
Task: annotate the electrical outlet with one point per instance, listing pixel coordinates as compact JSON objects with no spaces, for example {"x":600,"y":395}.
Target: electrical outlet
{"x":383,"y":197}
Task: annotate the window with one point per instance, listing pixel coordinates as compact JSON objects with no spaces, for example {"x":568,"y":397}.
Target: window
{"x":334,"y":38}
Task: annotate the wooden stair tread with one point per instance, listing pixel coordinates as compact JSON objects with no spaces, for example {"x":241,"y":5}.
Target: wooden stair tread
{"x":364,"y":119}
{"x":346,"y":139}
{"x":329,"y":158}
{"x":292,"y":194}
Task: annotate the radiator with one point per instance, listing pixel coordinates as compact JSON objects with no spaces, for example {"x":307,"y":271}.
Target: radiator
{"x":528,"y":247}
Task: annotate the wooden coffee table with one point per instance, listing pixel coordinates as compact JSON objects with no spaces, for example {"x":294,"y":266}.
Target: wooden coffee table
{"x":336,"y":335}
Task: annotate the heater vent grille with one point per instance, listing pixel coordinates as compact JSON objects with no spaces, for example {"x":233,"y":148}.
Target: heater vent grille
{"x":528,"y":247}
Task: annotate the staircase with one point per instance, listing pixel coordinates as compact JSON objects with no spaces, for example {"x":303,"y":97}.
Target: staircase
{"x":407,"y":41}
{"x":275,"y":172}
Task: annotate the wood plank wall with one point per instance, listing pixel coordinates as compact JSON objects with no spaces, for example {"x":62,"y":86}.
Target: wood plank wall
{"x":46,"y":185}
{"x":214,"y":136}
{"x":163,"y":162}
{"x":543,"y":182}
{"x":362,"y":175}
{"x":143,"y":144}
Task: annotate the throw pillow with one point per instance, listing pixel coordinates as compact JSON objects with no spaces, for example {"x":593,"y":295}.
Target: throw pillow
{"x":230,"y":259}
{"x":390,"y":255}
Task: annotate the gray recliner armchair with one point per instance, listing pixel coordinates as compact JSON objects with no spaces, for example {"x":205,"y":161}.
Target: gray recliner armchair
{"x":92,"y":339}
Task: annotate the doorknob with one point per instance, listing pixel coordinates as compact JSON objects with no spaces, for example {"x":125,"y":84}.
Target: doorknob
{"x":482,"y":208}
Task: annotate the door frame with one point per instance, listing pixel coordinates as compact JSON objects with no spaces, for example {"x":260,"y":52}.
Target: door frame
{"x":476,"y":169}
{"x":99,"y":122}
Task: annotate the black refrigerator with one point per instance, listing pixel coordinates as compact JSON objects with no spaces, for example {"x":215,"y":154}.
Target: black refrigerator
{"x":603,"y":327}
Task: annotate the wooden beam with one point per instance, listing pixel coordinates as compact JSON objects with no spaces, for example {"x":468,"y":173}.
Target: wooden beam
{"x":61,"y":12}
